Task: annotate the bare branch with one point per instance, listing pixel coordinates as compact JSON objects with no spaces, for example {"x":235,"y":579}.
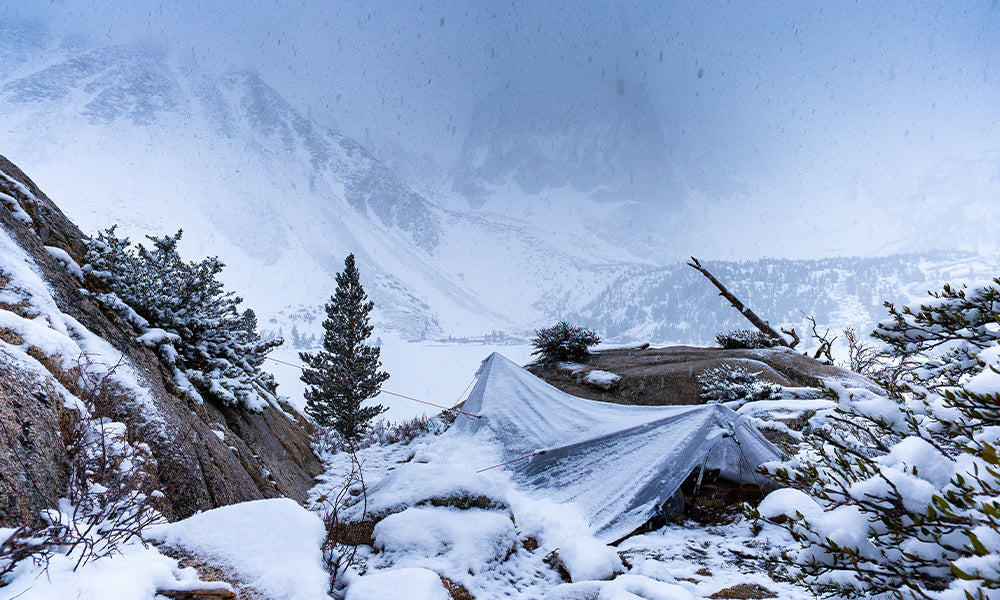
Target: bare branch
{"x":793,"y":335}
{"x":738,"y":305}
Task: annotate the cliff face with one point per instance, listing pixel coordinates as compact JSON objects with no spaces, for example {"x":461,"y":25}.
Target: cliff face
{"x":59,"y":343}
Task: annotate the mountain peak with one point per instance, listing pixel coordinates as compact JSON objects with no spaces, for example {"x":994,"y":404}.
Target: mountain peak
{"x":605,"y":141}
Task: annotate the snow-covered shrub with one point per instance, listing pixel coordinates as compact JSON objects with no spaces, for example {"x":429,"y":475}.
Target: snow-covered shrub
{"x":184,"y":311}
{"x":563,"y":342}
{"x":745,"y":338}
{"x":340,"y":543}
{"x":22,"y":543}
{"x":111,"y":494}
{"x":898,"y":496}
{"x":941,"y":337}
{"x":735,"y":383}
{"x":109,"y":497}
{"x":381,"y":433}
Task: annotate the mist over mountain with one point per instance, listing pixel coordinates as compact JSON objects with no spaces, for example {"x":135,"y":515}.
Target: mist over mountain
{"x":607,"y":144}
{"x":561,"y":197}
{"x":164,"y":144}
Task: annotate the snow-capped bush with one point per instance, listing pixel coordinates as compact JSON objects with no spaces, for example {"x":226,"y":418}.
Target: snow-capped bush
{"x":941,"y":338}
{"x":109,"y":497}
{"x":898,"y":496}
{"x":563,"y":342}
{"x":214,"y":348}
{"x":735,"y":383}
{"x":745,"y":338}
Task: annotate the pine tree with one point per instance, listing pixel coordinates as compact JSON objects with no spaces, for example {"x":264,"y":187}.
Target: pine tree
{"x":345,"y":372}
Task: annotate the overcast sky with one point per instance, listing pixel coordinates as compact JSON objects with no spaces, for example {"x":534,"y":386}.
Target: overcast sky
{"x":754,"y":76}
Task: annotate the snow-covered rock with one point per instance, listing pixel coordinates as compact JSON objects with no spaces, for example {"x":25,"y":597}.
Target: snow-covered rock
{"x":458,"y":541}
{"x":586,"y":558}
{"x":415,"y":484}
{"x":273,"y":545}
{"x":59,"y":345}
{"x":398,"y":584}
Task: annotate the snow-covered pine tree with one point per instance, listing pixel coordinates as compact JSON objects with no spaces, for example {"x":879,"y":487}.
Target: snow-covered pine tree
{"x":345,"y":372}
{"x":214,"y":348}
{"x":898,"y":497}
{"x":563,"y":342}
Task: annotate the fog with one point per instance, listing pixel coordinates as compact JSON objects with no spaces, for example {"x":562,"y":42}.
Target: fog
{"x":804,"y":102}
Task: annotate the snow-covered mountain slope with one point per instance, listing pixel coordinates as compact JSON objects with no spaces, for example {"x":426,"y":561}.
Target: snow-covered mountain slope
{"x":137,"y":136}
{"x":607,"y":144}
{"x":134,"y":136}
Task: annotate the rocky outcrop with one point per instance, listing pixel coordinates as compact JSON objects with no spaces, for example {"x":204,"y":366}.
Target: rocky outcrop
{"x":206,"y":455}
{"x":666,"y":376}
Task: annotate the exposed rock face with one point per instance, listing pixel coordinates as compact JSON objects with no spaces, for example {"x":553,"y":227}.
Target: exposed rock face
{"x":33,"y":460}
{"x":666,"y":376}
{"x":207,"y":455}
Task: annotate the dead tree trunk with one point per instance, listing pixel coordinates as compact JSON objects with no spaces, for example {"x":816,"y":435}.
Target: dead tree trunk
{"x":746,"y":312}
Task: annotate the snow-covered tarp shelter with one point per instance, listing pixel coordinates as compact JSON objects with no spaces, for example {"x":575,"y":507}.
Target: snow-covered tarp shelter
{"x":620,"y":464}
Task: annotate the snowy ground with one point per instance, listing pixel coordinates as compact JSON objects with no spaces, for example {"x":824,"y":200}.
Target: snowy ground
{"x":501,"y":552}
{"x":502,"y":549}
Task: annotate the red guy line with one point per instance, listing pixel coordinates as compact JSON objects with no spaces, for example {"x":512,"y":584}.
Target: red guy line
{"x":382,"y":390}
{"x":512,"y":461}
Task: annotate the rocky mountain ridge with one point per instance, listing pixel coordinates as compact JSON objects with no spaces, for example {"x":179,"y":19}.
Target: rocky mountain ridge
{"x":57,"y":337}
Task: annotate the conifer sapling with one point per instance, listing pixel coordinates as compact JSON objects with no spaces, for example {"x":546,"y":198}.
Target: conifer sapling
{"x":345,"y":372}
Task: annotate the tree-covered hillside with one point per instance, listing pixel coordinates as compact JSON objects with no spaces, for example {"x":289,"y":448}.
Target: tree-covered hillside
{"x":677,"y":304}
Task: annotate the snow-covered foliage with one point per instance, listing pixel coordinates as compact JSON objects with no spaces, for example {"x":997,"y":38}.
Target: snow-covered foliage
{"x":745,"y":338}
{"x":943,"y":336}
{"x":345,"y":372}
{"x":214,"y":348}
{"x":109,"y":498}
{"x":563,"y":342}
{"x":736,"y":384}
{"x":898,"y":496}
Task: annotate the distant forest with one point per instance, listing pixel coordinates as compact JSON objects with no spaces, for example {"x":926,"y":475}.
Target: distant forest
{"x":677,"y":304}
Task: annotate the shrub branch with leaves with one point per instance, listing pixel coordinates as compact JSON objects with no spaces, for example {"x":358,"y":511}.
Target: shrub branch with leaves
{"x":898,"y":496}
{"x":110,"y":496}
{"x":945,"y":334}
{"x":184,"y":311}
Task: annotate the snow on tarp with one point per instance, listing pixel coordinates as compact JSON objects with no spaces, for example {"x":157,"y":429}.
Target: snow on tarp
{"x":618,"y":463}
